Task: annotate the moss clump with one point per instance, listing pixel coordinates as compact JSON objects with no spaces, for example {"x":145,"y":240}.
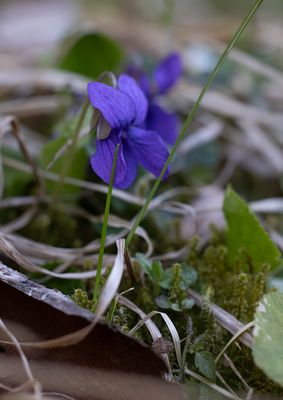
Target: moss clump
{"x":237,"y":289}
{"x":80,"y":297}
{"x":56,"y":229}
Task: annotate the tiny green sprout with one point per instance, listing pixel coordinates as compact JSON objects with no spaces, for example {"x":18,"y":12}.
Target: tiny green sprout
{"x":169,"y":285}
{"x":154,"y":270}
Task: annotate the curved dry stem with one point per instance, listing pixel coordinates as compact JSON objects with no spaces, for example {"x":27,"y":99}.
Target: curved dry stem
{"x":151,"y":326}
{"x":237,"y":335}
{"x":21,"y":221}
{"x":36,"y":385}
{"x":172,"y":329}
{"x":10,"y":124}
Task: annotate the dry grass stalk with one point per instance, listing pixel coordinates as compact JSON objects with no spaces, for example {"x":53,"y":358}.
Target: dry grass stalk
{"x":226,"y":320}
{"x":26,"y":367}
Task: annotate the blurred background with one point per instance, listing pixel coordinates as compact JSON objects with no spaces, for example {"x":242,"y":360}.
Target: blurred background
{"x":29,"y":29}
{"x":235,"y":138}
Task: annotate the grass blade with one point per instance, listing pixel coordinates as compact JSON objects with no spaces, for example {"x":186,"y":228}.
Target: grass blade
{"x":191,"y":117}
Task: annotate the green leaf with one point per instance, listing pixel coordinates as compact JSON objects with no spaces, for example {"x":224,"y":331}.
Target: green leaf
{"x":187,"y":304}
{"x":268,"y":341}
{"x":168,"y":277}
{"x":77,"y":167}
{"x":198,"y":391}
{"x":245,"y":233}
{"x":176,"y":307}
{"x":91,"y":54}
{"x":163,"y":302}
{"x":153,"y":269}
{"x":189,"y":276}
{"x":156,"y":272}
{"x":15,"y":181}
{"x":145,"y":263}
{"x":206,"y":365}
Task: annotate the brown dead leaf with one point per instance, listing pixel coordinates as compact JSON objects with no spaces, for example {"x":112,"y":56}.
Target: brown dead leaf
{"x":34,"y":313}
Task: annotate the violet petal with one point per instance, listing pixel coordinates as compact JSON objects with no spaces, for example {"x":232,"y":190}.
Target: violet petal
{"x":167,"y":72}
{"x":116,"y":107}
{"x":131,"y":167}
{"x":102,"y":160}
{"x":165,"y":123}
{"x":149,"y":149}
{"x":141,"y":78}
{"x":129,"y":86}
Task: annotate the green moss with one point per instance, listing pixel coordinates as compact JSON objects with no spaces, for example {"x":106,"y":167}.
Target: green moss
{"x":236,"y":291}
{"x":80,"y":297}
{"x":230,"y":286}
{"x":176,"y":294}
{"x":58,"y":230}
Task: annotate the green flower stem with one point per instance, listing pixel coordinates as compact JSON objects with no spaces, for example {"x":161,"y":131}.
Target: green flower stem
{"x":67,"y":163}
{"x":190,"y":118}
{"x":104,"y":228}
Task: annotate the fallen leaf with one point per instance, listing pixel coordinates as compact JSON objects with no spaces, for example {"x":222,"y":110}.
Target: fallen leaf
{"x":105,"y":357}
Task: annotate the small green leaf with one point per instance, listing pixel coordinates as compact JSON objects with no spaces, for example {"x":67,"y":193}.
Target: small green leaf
{"x":15,"y":181}
{"x":163,"y":302}
{"x":156,"y":272}
{"x":246,"y":234}
{"x":187,"y":304}
{"x":175,"y":307}
{"x":153,"y":269}
{"x":168,"y":278}
{"x":189,"y":276}
{"x":206,"y":365}
{"x":268,"y":342}
{"x":145,"y":263}
{"x":91,"y":54}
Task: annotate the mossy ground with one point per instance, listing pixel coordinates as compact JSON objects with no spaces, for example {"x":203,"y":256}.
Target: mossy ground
{"x":236,"y":288}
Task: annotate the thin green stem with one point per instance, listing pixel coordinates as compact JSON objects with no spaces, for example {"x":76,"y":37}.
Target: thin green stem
{"x":190,"y":118}
{"x":104,"y":229}
{"x":67,"y":163}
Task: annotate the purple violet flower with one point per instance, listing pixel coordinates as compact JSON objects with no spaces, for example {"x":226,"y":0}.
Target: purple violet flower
{"x":164,"y":77}
{"x":122,"y":113}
